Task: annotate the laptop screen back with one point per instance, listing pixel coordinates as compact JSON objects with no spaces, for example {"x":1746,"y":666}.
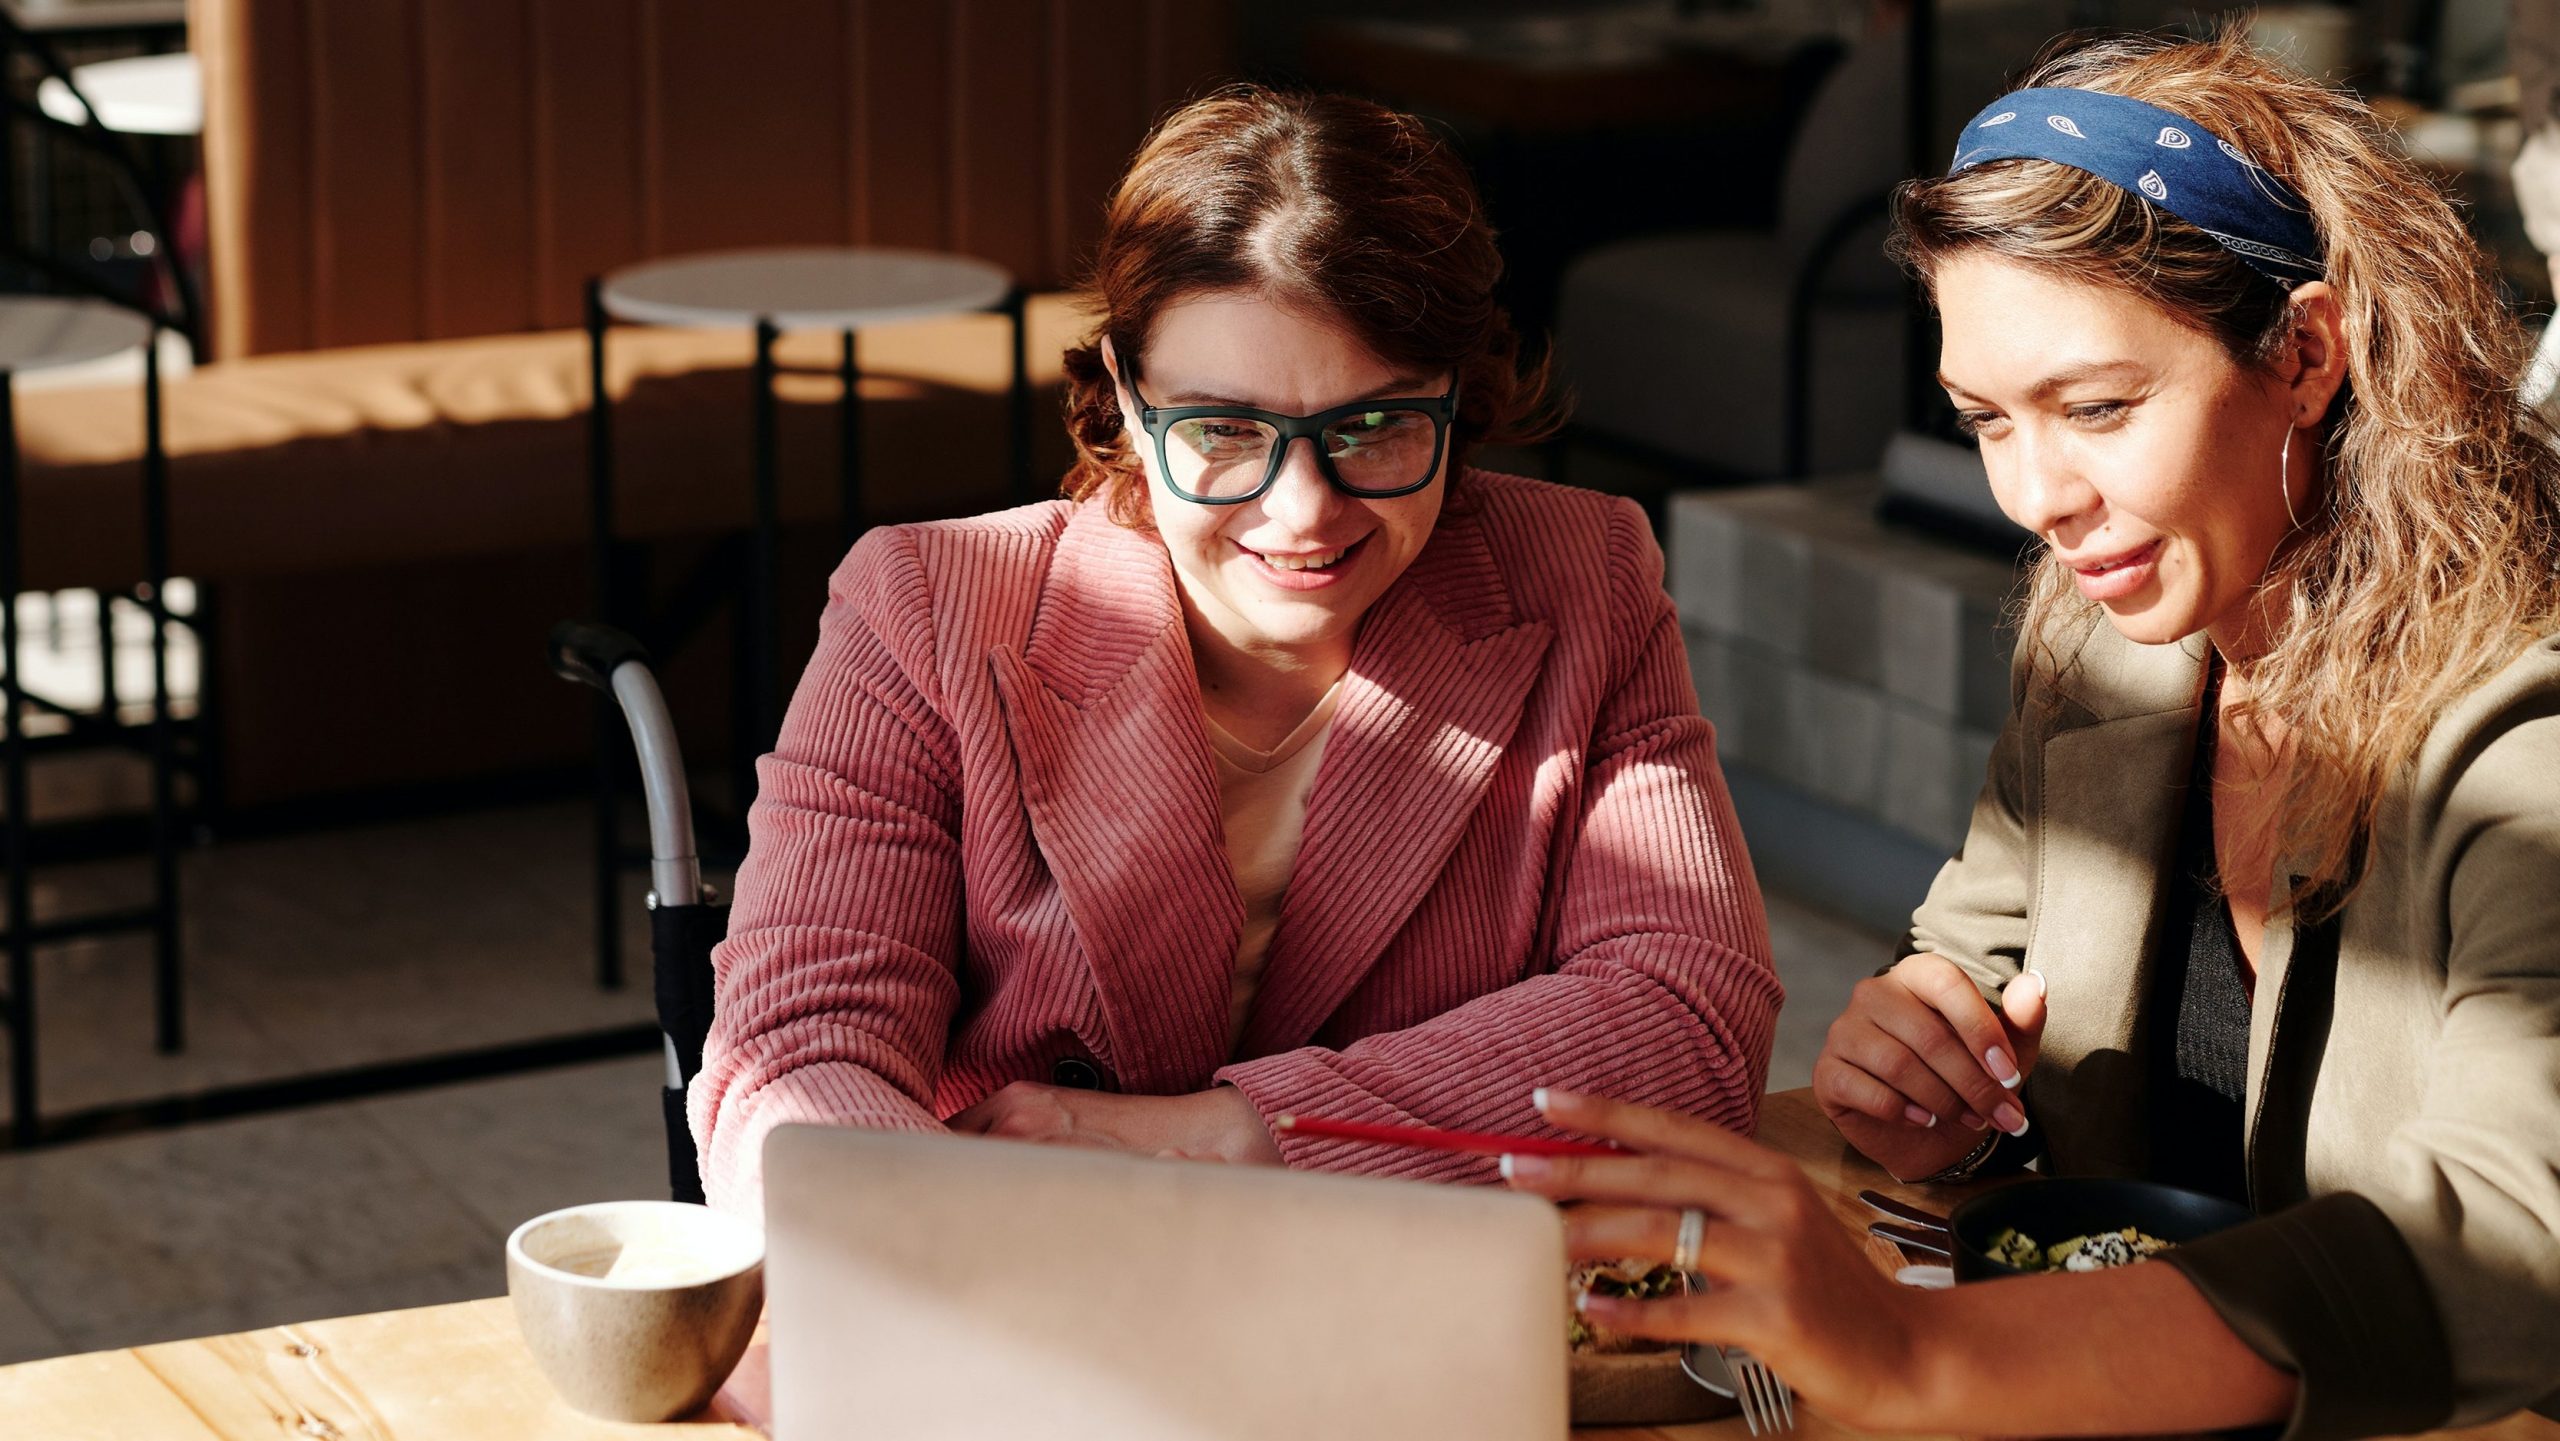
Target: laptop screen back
{"x":941,"y":1286}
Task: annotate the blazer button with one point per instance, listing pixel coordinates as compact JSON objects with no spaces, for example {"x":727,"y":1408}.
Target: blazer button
{"x":1076,"y":1074}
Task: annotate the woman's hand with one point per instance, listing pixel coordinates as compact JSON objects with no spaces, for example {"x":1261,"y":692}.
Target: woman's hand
{"x":1788,"y":1282}
{"x":1920,"y":1064}
{"x":1217,"y":1124}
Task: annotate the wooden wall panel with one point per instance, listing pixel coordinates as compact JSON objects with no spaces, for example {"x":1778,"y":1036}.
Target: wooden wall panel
{"x":1096,"y":119}
{"x":1191,"y":48}
{"x":749,"y":135}
{"x":385,"y":170}
{"x":366,"y":253}
{"x":999,"y":116}
{"x":902,"y":127}
{"x":476,"y":195}
{"x":589,"y":184}
{"x":257,"y":165}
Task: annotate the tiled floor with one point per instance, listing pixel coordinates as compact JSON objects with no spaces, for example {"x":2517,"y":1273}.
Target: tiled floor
{"x":1819,"y":958}
{"x":364,"y":1206}
{"x":334,"y":949}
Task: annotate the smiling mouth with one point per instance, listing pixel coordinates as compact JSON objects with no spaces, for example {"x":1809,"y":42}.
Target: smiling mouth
{"x":2120,"y":562}
{"x":1309,"y":560}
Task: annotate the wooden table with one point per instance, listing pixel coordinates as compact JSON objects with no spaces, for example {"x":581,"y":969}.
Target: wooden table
{"x":460,"y":1373}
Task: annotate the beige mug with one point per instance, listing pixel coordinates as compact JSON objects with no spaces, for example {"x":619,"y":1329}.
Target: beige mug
{"x":636,"y":1310}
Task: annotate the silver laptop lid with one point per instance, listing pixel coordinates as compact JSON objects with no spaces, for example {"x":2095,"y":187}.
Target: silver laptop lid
{"x":943,"y":1286}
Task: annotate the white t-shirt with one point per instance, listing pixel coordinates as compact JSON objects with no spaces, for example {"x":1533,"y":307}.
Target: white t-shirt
{"x":1262,"y":798}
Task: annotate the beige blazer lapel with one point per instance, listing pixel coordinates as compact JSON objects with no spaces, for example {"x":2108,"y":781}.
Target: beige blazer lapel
{"x":2114,"y":783}
{"x":1103,"y":710}
{"x":1439,"y":676}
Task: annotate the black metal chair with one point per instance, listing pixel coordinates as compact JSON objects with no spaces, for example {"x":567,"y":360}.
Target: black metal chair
{"x":171,"y":745}
{"x":685,"y":918}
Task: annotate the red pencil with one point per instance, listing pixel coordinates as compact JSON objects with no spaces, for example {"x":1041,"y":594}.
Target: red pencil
{"x":1429,"y":1138}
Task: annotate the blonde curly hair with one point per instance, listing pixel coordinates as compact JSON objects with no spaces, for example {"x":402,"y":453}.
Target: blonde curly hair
{"x":2435,"y":554}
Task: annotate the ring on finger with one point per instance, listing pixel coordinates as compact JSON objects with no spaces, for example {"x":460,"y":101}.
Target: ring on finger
{"x":1692,"y":1237}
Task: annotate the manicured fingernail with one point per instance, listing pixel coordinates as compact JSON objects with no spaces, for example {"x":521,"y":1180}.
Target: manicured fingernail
{"x":1581,"y":1301}
{"x":2043,"y":988}
{"x":1919,"y":1117}
{"x":1538,"y":1098}
{"x":1974,"y":1121}
{"x":2011,"y":1119}
{"x":1504,"y":1166}
{"x":2003,"y":1070}
{"x":1524,"y":1168}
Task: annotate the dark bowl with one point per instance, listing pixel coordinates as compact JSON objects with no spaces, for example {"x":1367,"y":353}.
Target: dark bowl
{"x":2060,"y":1209}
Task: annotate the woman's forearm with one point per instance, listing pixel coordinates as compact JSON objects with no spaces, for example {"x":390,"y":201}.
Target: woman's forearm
{"x":2137,"y":1349}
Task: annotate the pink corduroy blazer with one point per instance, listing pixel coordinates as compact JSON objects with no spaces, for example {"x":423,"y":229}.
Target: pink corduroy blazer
{"x":988,"y":842}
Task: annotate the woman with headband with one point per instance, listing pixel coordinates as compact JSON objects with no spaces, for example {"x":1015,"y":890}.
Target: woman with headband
{"x":2272,"y":837}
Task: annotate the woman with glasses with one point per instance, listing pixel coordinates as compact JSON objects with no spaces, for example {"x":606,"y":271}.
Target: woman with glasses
{"x":2262,"y":894}
{"x":1288,"y":765}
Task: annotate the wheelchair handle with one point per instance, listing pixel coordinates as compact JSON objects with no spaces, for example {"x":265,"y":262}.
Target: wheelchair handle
{"x":589,"y":654}
{"x":618,"y":665}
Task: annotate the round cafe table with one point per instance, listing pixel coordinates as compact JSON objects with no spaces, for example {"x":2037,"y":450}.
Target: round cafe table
{"x":42,"y":332}
{"x":141,"y":95}
{"x":844,"y":289}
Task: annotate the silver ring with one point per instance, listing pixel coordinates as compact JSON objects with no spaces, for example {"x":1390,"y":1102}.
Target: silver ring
{"x":1693,"y":1235}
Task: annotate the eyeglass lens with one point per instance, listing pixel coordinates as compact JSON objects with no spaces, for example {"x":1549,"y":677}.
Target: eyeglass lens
{"x":1222,"y":456}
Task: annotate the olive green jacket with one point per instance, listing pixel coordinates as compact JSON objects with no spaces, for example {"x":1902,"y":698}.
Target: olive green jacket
{"x":2403,"y":1107}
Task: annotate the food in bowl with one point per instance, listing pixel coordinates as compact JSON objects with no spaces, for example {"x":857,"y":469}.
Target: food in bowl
{"x":2081,"y":1208}
{"x":1632,"y":1280}
{"x":1622,"y":1380}
{"x":2098,"y":1251}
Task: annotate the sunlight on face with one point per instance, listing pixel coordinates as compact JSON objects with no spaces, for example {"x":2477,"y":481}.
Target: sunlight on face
{"x":1295,"y":569}
{"x":2132,"y":445}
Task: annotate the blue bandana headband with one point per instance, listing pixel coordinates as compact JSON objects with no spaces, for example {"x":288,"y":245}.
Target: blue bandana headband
{"x":2170,"y":160}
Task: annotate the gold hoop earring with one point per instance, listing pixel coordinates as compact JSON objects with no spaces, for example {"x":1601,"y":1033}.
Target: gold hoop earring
{"x":2284,"y":477}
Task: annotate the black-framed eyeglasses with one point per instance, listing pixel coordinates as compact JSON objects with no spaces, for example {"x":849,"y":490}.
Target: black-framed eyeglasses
{"x":1229,"y":454}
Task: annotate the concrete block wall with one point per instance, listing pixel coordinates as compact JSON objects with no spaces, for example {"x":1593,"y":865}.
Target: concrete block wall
{"x":1862,"y":666}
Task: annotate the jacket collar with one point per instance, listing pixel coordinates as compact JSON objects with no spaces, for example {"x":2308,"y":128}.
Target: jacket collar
{"x":2107,"y":678}
{"x":1102,"y":706}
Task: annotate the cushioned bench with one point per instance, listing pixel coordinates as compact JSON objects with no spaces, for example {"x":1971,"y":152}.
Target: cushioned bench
{"x":393,"y":455}
{"x":390,"y":529}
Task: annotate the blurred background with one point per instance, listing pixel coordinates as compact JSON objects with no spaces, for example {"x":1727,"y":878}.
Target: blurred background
{"x":351,"y":344}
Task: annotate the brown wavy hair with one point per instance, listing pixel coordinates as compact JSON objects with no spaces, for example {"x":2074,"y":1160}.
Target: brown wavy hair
{"x":1345,"y":208}
{"x":2434,"y":554}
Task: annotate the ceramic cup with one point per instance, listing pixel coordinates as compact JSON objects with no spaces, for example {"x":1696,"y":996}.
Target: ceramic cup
{"x":636,"y":1310}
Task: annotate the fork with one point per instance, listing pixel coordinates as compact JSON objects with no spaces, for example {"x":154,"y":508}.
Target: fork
{"x":1768,"y":1404}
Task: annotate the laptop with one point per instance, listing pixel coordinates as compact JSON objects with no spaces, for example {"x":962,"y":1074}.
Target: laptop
{"x":949,"y":1286}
